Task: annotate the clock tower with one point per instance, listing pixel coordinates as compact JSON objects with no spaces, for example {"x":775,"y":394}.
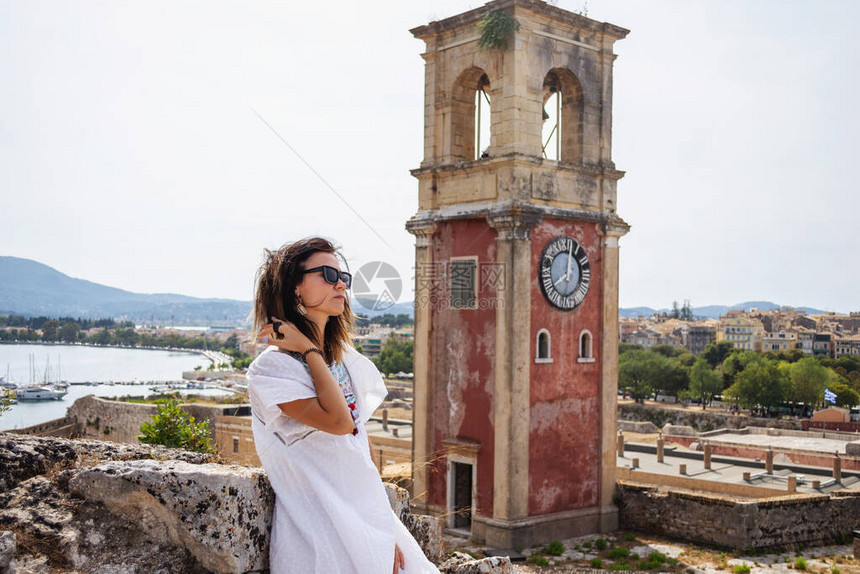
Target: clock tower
{"x":516,"y":275}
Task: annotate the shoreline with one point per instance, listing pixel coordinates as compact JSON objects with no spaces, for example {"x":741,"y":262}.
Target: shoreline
{"x":94,"y":345}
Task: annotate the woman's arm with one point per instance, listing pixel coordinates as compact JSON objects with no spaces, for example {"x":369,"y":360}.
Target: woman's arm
{"x":327,"y":411}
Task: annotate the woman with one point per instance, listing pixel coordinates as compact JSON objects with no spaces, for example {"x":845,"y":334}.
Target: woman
{"x":311,"y":394}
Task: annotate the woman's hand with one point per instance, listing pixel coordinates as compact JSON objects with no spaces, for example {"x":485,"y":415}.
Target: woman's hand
{"x":288,"y":337}
{"x":399,"y":562}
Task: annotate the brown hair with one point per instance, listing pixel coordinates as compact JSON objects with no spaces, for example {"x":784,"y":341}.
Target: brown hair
{"x":277,"y":279}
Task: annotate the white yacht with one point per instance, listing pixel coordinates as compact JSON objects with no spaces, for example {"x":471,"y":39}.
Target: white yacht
{"x":39,"y":394}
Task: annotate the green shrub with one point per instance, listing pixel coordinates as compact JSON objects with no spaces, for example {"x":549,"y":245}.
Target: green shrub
{"x":654,"y":561}
{"x":587,"y":545}
{"x":619,"y":552}
{"x":496,"y":28}
{"x":555,"y":548}
{"x":742,"y":569}
{"x":834,"y":570}
{"x":600,"y":544}
{"x":657,"y":557}
{"x":538,"y":560}
{"x":620,"y":565}
{"x":629,"y":537}
{"x":172,"y":427}
{"x":799,"y":563}
{"x":597,"y":563}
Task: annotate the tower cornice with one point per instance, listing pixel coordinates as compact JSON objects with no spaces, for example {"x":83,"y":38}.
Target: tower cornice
{"x":500,"y":214}
{"x":518,"y":159}
{"x":558,"y":14}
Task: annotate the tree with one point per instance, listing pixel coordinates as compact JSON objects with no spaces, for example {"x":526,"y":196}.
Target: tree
{"x":50,"y":330}
{"x":686,"y":358}
{"x":687,"y":311}
{"x":172,"y":427}
{"x":716,"y":353}
{"x":671,"y":377}
{"x":624,"y":347}
{"x":396,"y":356}
{"x":808,"y":379}
{"x":705,"y":382}
{"x":102,"y":337}
{"x":68,"y":332}
{"x":734,"y":363}
{"x":638,"y":370}
{"x":760,"y":383}
{"x":845,"y":395}
{"x":667,"y":350}
{"x":126,"y":337}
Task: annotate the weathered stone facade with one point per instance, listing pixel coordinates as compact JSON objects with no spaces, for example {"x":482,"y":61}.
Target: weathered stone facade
{"x":524,"y":447}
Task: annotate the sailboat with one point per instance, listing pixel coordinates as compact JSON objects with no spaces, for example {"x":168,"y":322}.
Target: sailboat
{"x":43,"y":392}
{"x":7,"y":387}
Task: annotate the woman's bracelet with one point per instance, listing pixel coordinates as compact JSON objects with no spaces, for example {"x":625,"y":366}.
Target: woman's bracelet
{"x":312,"y":350}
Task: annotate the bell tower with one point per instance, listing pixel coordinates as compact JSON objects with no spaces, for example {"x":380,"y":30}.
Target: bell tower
{"x":516,"y":275}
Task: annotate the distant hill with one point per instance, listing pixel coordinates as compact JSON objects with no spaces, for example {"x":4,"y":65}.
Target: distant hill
{"x":30,"y":288}
{"x":714,"y":311}
{"x":365,"y":307}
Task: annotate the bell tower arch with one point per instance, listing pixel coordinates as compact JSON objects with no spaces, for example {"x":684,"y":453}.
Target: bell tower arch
{"x":516,"y":247}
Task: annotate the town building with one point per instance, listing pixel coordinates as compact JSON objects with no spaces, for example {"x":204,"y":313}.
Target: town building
{"x":847,"y":345}
{"x":822,"y":345}
{"x":805,"y":338}
{"x":697,"y":336}
{"x":781,"y":341}
{"x":741,"y":331}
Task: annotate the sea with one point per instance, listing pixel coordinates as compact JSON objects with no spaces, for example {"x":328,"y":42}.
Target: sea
{"x":111,"y":372}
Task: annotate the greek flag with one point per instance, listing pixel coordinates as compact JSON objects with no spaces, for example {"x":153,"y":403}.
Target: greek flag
{"x":829,"y":396}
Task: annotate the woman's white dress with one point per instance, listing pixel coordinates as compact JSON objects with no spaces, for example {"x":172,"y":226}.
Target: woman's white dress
{"x":331,"y":511}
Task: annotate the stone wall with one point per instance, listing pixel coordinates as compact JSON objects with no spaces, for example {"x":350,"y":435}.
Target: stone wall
{"x":115,"y":421}
{"x":700,"y":420}
{"x":118,"y":421}
{"x":65,"y":427}
{"x":739,"y":524}
{"x":69,"y":505}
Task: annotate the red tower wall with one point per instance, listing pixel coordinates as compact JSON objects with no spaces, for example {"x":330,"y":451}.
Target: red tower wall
{"x":564,"y":429}
{"x":462,"y":351}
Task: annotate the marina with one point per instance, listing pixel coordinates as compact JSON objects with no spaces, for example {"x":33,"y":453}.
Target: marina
{"x":79,"y":370}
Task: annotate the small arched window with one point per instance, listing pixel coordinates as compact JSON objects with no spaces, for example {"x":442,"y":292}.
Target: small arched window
{"x":586,"y":351}
{"x":543,"y":349}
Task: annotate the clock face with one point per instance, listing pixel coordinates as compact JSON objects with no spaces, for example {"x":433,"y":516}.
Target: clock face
{"x":564,"y":273}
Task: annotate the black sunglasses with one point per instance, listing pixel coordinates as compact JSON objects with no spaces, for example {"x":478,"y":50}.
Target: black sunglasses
{"x":331,"y":275}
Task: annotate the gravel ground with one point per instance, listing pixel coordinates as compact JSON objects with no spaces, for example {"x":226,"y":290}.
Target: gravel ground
{"x":691,"y":558}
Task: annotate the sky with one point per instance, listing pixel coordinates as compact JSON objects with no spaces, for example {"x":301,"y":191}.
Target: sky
{"x":138,"y":145}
